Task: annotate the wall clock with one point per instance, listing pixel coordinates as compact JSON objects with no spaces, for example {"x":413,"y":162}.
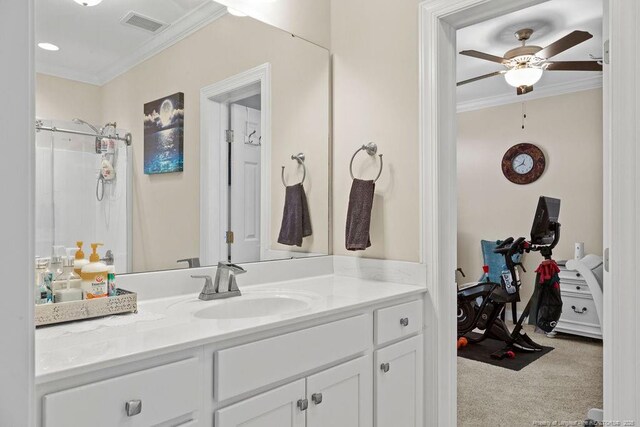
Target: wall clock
{"x":523,"y":163}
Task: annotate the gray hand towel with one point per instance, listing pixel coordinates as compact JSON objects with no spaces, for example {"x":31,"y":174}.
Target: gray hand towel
{"x":296,"y":222}
{"x":359,"y":215}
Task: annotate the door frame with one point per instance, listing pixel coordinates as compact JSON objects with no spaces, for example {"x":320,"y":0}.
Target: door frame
{"x":213,"y":161}
{"x":438,"y":21}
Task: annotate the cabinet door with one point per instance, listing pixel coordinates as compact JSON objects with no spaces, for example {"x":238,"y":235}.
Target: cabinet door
{"x":398,"y":393}
{"x":341,"y":396}
{"x":275,"y":408}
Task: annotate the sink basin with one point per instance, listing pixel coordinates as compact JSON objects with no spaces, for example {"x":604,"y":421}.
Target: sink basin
{"x":245,"y":307}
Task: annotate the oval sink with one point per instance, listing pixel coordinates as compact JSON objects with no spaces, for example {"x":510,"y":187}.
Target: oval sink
{"x":247,"y":307}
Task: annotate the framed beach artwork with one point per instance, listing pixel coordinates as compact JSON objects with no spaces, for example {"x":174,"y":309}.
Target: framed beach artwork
{"x":164,"y":135}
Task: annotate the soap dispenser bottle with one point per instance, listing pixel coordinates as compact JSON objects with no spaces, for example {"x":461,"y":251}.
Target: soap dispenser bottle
{"x":94,"y":276}
{"x":42,"y":294}
{"x":79,"y":260}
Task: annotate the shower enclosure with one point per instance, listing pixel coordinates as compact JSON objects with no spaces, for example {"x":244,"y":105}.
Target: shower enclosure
{"x":83,"y":188}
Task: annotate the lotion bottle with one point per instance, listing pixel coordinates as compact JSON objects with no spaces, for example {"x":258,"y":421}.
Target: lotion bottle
{"x":94,"y":276}
{"x":79,"y":261}
{"x":67,"y":279}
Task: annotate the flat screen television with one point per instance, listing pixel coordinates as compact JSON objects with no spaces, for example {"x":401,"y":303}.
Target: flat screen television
{"x":543,"y":228}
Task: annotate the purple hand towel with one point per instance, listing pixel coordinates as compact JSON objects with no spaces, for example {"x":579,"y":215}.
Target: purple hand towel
{"x":296,"y":222}
{"x":359,"y":215}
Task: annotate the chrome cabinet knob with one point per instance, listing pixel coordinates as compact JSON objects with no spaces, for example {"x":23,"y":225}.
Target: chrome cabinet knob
{"x":303,"y":404}
{"x":316,"y":398}
{"x":384,"y":367}
{"x":133,"y":407}
{"x":404,"y":321}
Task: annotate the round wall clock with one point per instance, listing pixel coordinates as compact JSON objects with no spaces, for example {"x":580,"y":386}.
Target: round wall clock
{"x":523,"y":163}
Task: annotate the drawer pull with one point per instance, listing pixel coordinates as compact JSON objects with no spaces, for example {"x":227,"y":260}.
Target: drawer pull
{"x":133,"y":407}
{"x":316,"y":398}
{"x":303,"y":404}
{"x":577,"y":288}
{"x":584,"y":309}
{"x":404,"y":321}
{"x":384,"y":367}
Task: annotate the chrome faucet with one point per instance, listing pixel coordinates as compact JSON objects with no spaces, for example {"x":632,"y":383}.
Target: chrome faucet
{"x":225,"y":276}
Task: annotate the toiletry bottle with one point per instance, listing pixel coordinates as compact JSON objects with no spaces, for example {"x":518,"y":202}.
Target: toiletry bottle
{"x":47,"y":280}
{"x":41,"y":291}
{"x":79,"y":261}
{"x":67,"y":279}
{"x":111,"y":281}
{"x":94,"y":276}
{"x":56,"y":264}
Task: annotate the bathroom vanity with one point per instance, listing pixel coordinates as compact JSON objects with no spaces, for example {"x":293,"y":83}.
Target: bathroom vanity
{"x":320,"y":351}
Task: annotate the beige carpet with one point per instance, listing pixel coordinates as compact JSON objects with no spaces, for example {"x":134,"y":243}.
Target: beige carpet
{"x":560,"y":386}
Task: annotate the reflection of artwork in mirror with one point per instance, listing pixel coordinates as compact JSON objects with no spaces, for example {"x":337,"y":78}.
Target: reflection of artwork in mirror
{"x":163,"y":135}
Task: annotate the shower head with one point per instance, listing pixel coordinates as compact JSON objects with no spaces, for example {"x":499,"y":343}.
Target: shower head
{"x":82,"y":122}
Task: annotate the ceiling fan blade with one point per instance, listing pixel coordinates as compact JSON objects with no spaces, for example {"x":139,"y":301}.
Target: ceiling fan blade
{"x":485,"y":56}
{"x":567,"y":42}
{"x":496,"y":73}
{"x":574,"y":66}
{"x":523,"y":89}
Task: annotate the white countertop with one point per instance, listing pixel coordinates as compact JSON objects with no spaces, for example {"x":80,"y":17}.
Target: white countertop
{"x":168,"y":324}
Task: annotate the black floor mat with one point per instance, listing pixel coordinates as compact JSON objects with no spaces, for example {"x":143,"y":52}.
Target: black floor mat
{"x":481,"y":352}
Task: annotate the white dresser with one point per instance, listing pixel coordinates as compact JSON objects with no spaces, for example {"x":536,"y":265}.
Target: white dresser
{"x":580,"y":314}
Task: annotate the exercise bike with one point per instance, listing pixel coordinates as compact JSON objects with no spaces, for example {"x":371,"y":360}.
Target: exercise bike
{"x":481,"y":304}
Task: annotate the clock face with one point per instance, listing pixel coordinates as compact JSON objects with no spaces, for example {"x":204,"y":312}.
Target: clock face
{"x":523,"y":163}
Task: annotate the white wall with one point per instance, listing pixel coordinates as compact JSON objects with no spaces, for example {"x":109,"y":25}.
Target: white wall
{"x":568,"y":129}
{"x":16,"y":224}
{"x":375,"y":98}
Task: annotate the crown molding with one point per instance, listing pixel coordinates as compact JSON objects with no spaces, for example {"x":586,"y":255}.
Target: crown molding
{"x":182,"y":28}
{"x":592,"y":82}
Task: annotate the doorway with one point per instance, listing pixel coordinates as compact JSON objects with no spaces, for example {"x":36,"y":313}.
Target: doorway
{"x":438,"y":23}
{"x":234,"y":167}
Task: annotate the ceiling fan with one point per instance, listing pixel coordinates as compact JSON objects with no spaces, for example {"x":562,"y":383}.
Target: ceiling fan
{"x":525,"y":64}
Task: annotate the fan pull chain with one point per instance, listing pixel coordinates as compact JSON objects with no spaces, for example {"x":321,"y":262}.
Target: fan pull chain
{"x":524,"y":114}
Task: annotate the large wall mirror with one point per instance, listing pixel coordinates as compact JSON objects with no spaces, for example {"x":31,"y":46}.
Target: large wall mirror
{"x":175,"y":130}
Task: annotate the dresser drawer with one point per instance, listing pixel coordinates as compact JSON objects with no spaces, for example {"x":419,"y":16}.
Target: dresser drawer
{"x":248,"y":367}
{"x":165,"y":393}
{"x":575,"y":287}
{"x":579,"y":309}
{"x":570,"y":276}
{"x":398,"y":321}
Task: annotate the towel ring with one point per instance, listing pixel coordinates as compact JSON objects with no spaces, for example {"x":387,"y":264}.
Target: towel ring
{"x":371,"y":149}
{"x":300,"y":159}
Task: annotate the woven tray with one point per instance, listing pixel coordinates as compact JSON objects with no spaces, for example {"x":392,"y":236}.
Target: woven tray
{"x":123,"y":302}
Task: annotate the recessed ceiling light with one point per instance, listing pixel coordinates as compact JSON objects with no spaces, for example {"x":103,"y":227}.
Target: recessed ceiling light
{"x":235,"y":12}
{"x":48,"y":46}
{"x":88,"y":2}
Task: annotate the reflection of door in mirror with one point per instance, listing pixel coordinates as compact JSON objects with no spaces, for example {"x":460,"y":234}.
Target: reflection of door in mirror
{"x":244,"y":186}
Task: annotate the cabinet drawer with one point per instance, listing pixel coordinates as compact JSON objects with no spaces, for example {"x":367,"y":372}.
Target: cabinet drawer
{"x":579,"y":309}
{"x":251,"y":366}
{"x":166,"y":392}
{"x":570,"y":275}
{"x":398,"y":321}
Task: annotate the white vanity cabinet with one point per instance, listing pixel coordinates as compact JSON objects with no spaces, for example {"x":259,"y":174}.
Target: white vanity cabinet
{"x":357,"y":368}
{"x":336,"y":397}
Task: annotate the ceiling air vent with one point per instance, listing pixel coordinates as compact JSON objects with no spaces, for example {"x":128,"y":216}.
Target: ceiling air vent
{"x":137,"y":20}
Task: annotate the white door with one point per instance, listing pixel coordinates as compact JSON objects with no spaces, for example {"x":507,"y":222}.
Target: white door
{"x":244,"y":191}
{"x":275,"y":408}
{"x":398,"y":395}
{"x":341,"y":396}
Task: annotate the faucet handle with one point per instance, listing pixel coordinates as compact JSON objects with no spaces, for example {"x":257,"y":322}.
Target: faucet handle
{"x":192,"y":262}
{"x":204,"y":276}
{"x":208,"y":288}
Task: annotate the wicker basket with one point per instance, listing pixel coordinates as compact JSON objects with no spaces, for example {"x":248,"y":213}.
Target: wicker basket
{"x":123,"y":302}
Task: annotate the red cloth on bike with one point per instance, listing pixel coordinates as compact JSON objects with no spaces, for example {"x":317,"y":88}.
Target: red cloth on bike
{"x":546,"y":270}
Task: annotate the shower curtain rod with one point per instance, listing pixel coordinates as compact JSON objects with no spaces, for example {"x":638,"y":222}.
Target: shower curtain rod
{"x":126,"y":138}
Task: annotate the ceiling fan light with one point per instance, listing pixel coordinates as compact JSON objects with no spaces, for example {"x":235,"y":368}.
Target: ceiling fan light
{"x":525,"y":76}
